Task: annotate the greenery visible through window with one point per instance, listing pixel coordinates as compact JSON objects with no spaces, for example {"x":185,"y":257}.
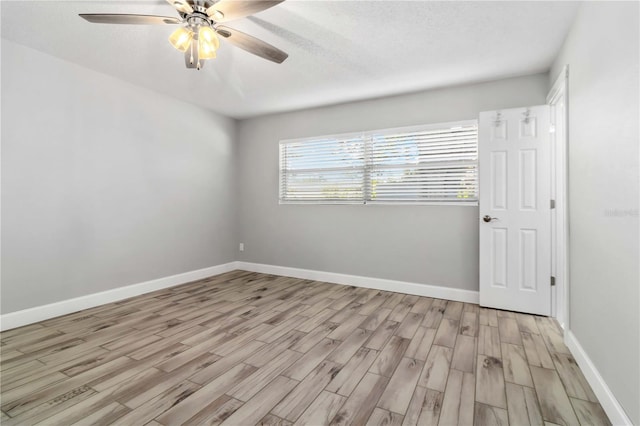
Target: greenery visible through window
{"x":423,"y":164}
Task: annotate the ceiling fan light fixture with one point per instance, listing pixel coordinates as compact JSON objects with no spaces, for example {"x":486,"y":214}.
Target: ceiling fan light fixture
{"x":208,"y":43}
{"x":209,"y":35}
{"x":181,"y":39}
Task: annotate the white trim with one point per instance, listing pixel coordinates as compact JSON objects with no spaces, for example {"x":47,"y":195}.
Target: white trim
{"x":52,"y":310}
{"x":609,"y":403}
{"x":438,"y":292}
{"x":560,"y":215}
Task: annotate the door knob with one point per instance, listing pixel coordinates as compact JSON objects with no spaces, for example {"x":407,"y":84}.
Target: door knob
{"x":488,"y":218}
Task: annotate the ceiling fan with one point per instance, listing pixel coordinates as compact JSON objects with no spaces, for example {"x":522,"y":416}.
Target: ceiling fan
{"x":200,"y":27}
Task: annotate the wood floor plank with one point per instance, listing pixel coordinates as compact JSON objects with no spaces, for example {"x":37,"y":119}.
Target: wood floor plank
{"x":382,"y":335}
{"x":415,"y":406}
{"x":216,"y":412}
{"x":347,"y":327}
{"x":257,"y":407}
{"x":488,"y":317}
{"x":308,"y":341}
{"x":516,"y":368}
{"x":522,"y":406}
{"x":488,"y":415}
{"x":453,"y":310}
{"x":345,"y":313}
{"x":225,"y":364}
{"x":350,"y":375}
{"x":246,"y":389}
{"x":589,"y":413}
{"x":554,"y":402}
{"x":390,"y":356}
{"x":509,"y":331}
{"x":94,"y":404}
{"x":536,"y":350}
{"x":469,"y":324}
{"x":436,"y":368}
{"x":489,"y":341}
{"x":398,"y":393}
{"x":435,"y":313}
{"x":393,"y":300}
{"x":464,"y":354}
{"x":159,"y":404}
{"x":197,"y":401}
{"x":316,"y":320}
{"x":401,"y":310}
{"x":301,"y":397}
{"x":409,"y":326}
{"x":22,"y":388}
{"x":551,"y":335}
{"x":421,"y":343}
{"x":375,"y":318}
{"x":447,"y":333}
{"x":458,"y":400}
{"x":322,"y":410}
{"x":381,"y":417}
{"x":309,"y":361}
{"x":50,"y":408}
{"x":527,"y":324}
{"x":422,"y":305}
{"x":359,"y":406}
{"x":574,"y":381}
{"x":169,"y":379}
{"x":431,"y":408}
{"x":40,"y":396}
{"x":343,"y":353}
{"x":490,"y":387}
{"x":106,"y":415}
{"x":271,"y":420}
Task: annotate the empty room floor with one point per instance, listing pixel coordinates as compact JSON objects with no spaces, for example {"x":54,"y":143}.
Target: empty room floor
{"x":245,"y":348}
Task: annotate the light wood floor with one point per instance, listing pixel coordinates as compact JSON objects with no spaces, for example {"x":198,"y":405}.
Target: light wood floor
{"x":245,"y":348}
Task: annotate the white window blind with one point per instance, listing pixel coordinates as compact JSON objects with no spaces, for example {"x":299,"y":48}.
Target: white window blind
{"x":327,"y":169}
{"x":423,"y":164}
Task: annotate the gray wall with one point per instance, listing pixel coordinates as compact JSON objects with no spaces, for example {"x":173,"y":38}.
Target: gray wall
{"x":602,"y":52}
{"x":105,"y":184}
{"x":435,"y":245}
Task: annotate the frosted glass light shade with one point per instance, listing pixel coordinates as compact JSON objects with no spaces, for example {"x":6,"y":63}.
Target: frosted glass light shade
{"x":208,"y":43}
{"x":181,"y":39}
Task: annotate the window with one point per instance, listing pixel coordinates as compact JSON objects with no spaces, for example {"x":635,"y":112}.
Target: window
{"x":423,"y":164}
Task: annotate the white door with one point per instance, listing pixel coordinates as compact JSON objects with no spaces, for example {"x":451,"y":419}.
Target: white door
{"x":515,"y":220}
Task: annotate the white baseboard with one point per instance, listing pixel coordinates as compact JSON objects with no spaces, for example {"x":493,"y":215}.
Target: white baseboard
{"x":41,"y":313}
{"x":366,"y":282}
{"x":609,"y":403}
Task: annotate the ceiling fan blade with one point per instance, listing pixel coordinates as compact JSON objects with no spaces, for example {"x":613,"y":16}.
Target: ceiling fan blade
{"x":181,"y":6}
{"x":228,"y":10}
{"x":116,"y":18}
{"x":252,"y":44}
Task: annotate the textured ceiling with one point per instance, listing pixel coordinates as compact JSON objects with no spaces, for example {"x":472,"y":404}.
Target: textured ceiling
{"x":339,"y":51}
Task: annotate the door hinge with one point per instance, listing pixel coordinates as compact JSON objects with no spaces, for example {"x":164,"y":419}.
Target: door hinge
{"x":553,"y":281}
{"x":552,"y":204}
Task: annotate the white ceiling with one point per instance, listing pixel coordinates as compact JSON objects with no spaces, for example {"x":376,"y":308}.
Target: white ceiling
{"x":339,"y":51}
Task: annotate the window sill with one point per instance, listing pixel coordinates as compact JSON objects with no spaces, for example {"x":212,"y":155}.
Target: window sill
{"x":385,"y":203}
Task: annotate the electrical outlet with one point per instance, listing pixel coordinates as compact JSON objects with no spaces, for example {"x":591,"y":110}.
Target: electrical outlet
{"x":241,"y":247}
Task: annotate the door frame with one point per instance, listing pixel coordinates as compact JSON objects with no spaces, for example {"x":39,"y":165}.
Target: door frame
{"x":559,"y":185}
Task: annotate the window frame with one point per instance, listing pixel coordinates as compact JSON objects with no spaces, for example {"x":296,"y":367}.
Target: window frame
{"x":367,"y":137}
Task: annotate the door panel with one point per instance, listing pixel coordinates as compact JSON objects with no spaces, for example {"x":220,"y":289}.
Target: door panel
{"x":515,"y":245}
